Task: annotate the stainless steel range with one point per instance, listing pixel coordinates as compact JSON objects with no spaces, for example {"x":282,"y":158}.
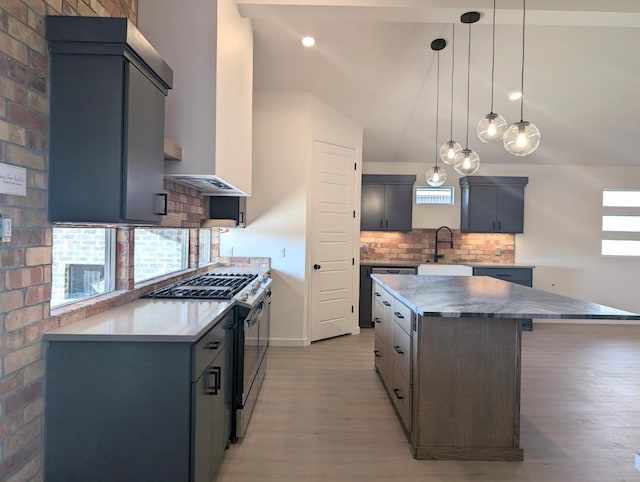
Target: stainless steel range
{"x":251,"y":338}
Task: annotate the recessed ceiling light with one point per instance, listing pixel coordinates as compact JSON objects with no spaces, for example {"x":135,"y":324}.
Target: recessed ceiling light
{"x":515,"y":95}
{"x":308,"y":41}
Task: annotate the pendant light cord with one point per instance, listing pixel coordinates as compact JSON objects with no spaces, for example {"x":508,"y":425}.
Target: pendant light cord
{"x":524,"y":8}
{"x":437,"y":105}
{"x":453,"y":64}
{"x":468,"y":88}
{"x":493,"y":52}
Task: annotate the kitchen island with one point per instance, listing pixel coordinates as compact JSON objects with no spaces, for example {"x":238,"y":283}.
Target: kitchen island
{"x":448,"y":351}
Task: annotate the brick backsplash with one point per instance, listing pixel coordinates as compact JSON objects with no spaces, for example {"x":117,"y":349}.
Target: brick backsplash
{"x":419,"y":246}
{"x":25,"y":262}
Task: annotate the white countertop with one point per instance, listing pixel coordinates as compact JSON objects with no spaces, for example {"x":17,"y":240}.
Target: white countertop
{"x":147,"y":320}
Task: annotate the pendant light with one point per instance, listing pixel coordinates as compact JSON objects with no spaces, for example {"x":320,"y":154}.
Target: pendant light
{"x":450,"y":149}
{"x":436,"y":176}
{"x":467,"y":161}
{"x":522,"y":138}
{"x":492,"y":126}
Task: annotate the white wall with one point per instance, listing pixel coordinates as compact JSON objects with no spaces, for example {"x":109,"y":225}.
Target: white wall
{"x":284,"y":127}
{"x":562,"y":224}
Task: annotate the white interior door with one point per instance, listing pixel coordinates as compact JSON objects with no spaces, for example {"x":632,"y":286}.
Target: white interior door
{"x":331,"y":247}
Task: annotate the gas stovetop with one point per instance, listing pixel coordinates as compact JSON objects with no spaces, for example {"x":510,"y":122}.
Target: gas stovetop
{"x":218,"y":286}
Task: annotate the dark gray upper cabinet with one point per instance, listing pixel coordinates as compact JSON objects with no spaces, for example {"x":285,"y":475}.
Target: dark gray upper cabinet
{"x":386,"y":202}
{"x":230,"y":211}
{"x":492,"y":204}
{"x":108,"y":89}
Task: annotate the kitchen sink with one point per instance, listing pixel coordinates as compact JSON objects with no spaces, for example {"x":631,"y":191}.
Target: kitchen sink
{"x":442,"y":269}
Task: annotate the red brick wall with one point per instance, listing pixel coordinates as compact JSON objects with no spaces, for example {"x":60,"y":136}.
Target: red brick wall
{"x":419,"y":246}
{"x":25,"y":262}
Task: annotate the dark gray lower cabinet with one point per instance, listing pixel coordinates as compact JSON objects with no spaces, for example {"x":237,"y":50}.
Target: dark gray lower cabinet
{"x":518,"y":275}
{"x":138,"y":411}
{"x":365,"y":314}
{"x":366,"y":288}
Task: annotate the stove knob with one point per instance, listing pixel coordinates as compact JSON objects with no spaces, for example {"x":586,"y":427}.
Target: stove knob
{"x":265,"y":277}
{"x":244,"y":296}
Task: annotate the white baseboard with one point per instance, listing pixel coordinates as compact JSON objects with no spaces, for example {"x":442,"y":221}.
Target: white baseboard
{"x":292,"y":342}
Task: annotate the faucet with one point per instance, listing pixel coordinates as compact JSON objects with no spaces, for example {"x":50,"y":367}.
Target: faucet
{"x":437,"y":256}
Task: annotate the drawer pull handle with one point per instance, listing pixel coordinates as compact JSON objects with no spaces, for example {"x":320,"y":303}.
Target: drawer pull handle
{"x":398,"y":350}
{"x":377,"y":353}
{"x":212,"y":380}
{"x":377,"y":320}
{"x":397,"y":393}
{"x":386,"y":303}
{"x":399,"y":315}
{"x":213,"y":345}
{"x":165,"y":203}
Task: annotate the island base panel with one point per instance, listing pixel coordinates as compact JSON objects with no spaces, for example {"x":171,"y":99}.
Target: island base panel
{"x":497,"y":454}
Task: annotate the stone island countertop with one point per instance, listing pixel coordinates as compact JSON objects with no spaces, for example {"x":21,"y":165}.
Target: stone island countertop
{"x":484,"y":297}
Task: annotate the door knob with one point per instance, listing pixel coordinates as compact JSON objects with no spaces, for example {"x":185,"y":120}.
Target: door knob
{"x":316,"y":266}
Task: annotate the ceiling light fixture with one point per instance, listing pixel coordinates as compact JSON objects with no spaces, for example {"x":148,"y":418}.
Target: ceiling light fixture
{"x":523,"y":137}
{"x":308,"y":41}
{"x":492,"y":126}
{"x":515,"y":95}
{"x":436,"y":176}
{"x":467,"y":161}
{"x":451,"y":149}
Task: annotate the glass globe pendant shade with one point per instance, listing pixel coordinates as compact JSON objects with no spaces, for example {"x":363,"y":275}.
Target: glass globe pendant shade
{"x":492,"y":127}
{"x":467,"y":162}
{"x":521,"y":138}
{"x":436,"y":176}
{"x":449,"y":151}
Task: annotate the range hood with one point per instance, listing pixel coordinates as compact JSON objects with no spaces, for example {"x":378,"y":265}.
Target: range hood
{"x":207,"y":184}
{"x":209,"y":112}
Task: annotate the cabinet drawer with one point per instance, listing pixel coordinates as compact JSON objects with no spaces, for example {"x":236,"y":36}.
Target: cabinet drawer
{"x":515,"y":275}
{"x":380,"y":295}
{"x":378,"y":315}
{"x":401,"y":350}
{"x":383,"y":360}
{"x":208,"y":347}
{"x":401,"y":396}
{"x":402,"y":315}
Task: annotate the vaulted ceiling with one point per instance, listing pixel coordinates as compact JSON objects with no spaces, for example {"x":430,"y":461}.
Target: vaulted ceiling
{"x":373,"y":63}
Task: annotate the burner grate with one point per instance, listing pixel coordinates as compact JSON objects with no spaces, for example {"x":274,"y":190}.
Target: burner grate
{"x":214,"y":286}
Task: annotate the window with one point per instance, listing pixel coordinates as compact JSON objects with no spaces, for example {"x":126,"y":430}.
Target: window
{"x":159,"y":251}
{"x":621,"y":216}
{"x":83,"y":264}
{"x":434,"y":195}
{"x":204,"y":250}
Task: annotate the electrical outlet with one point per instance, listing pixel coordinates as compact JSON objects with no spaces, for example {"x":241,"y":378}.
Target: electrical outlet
{"x":5,"y":228}
{"x":281,"y":253}
{"x":365,"y":248}
{"x":498,"y":251}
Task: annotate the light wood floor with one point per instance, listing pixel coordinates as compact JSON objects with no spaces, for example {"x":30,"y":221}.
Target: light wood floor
{"x":323,"y":415}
